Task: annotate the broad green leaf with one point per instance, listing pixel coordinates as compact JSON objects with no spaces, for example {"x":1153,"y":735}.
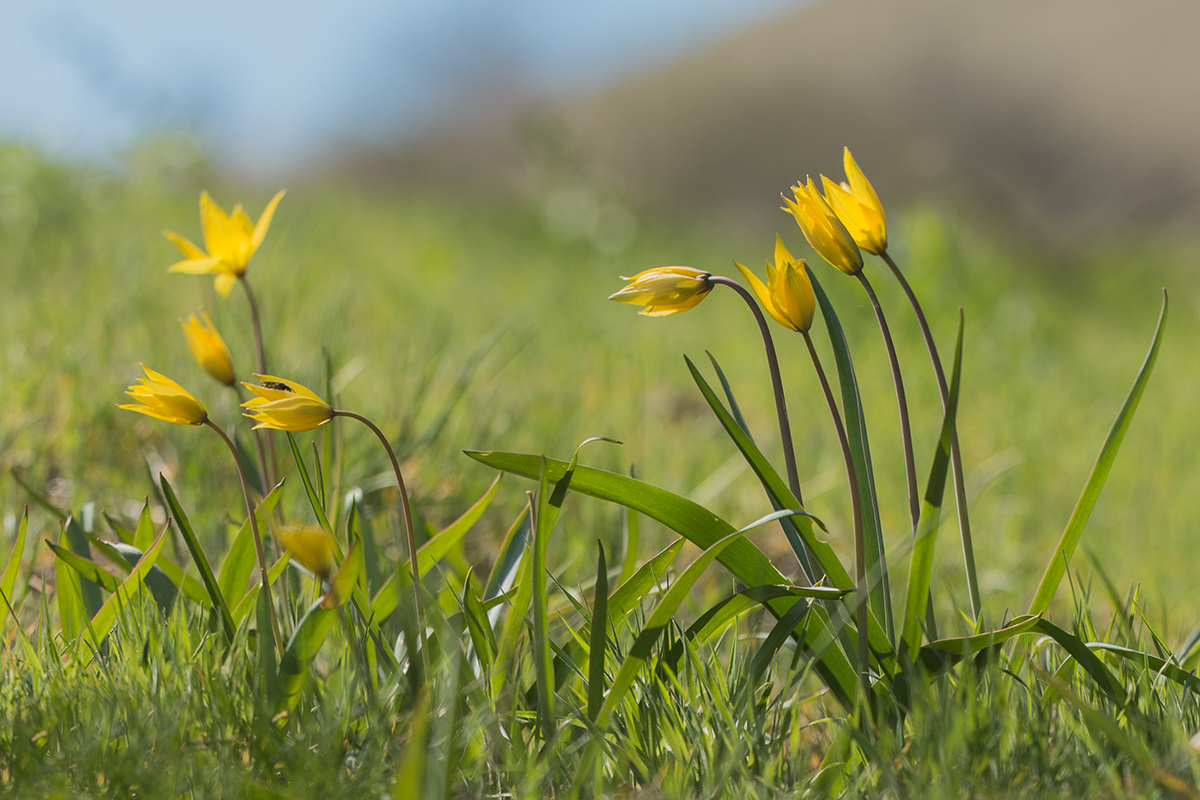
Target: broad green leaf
{"x":475,"y":616}
{"x":242,"y":609}
{"x":630,"y":540}
{"x":301,"y":651}
{"x":198,"y":558}
{"x":1085,"y":658}
{"x":921,"y":566}
{"x":89,"y":590}
{"x":514,"y":622}
{"x":265,"y":643}
{"x":1091,"y":490}
{"x":122,"y":531}
{"x":348,"y":574}
{"x":87,"y":569}
{"x":8,"y":579}
{"x":599,"y":639}
{"x":945,"y":652}
{"x":241,"y":558}
{"x":543,"y":524}
{"x":314,"y":499}
{"x":126,"y":556}
{"x":512,"y":550}
{"x":70,"y":604}
{"x":143,"y":535}
{"x":133,"y":585}
{"x":696,"y":523}
{"x":784,"y":627}
{"x":860,"y":452}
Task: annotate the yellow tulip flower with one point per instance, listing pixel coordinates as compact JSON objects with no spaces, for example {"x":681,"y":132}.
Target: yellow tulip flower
{"x":208,"y":348}
{"x":858,"y":207}
{"x":665,"y":290}
{"x":284,"y":405}
{"x":162,"y":398}
{"x":788,"y":294}
{"x":311,"y":546}
{"x":824,"y":231}
{"x":231,"y":240}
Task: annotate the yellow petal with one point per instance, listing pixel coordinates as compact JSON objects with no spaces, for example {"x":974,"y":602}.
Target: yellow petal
{"x":185,"y":245}
{"x":264,"y":222}
{"x":225,"y":282}
{"x":859,"y":184}
{"x":196,"y":266}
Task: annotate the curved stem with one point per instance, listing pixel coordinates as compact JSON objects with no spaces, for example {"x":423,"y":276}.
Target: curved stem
{"x":910,"y":468}
{"x":261,"y":362}
{"x":785,"y":428}
{"x":860,"y":544}
{"x":258,"y":547}
{"x":960,"y":491}
{"x":256,"y":437}
{"x":408,"y":527}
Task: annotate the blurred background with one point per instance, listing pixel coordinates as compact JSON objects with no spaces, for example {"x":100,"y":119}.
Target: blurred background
{"x":467,"y":180}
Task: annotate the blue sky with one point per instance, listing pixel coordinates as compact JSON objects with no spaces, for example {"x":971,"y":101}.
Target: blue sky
{"x":268,"y":84}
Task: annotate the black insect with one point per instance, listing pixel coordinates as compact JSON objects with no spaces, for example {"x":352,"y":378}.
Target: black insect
{"x":277,"y":386}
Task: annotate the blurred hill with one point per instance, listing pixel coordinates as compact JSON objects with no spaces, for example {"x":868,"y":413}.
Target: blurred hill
{"x":1068,"y":118}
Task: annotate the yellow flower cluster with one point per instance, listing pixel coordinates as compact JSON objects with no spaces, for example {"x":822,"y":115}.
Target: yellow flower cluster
{"x":230,"y":241}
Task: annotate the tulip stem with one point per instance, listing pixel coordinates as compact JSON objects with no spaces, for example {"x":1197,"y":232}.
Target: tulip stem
{"x":910,"y":469}
{"x":408,"y":528}
{"x":261,"y":360}
{"x":785,"y":428}
{"x":860,"y":544}
{"x":258,"y":547}
{"x":960,"y":491}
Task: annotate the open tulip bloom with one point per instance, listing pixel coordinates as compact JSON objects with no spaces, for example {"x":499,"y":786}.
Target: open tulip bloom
{"x":284,"y":405}
{"x":230,"y":241}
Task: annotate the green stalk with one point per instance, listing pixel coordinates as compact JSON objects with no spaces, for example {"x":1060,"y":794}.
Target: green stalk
{"x":261,"y":361}
{"x":960,"y":490}
{"x":408,"y":528}
{"x":785,"y":428}
{"x":258,"y":547}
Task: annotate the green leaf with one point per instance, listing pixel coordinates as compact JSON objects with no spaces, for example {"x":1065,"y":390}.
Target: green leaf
{"x":643,"y":646}
{"x":410,"y":776}
{"x":71,"y":613}
{"x":543,"y":525}
{"x":122,"y":531}
{"x":699,"y":525}
{"x":921,"y":566}
{"x":87,"y":569}
{"x":143,"y":535}
{"x":784,"y":627}
{"x":1147,"y":661}
{"x":241,"y":558}
{"x":313,"y":499}
{"x":630,"y":539}
{"x":89,"y":590}
{"x":945,"y":652}
{"x":1091,"y":490}
{"x":1085,"y":658}
{"x":599,"y":639}
{"x":860,"y":453}
{"x":265,"y":643}
{"x":716,"y":618}
{"x":514,"y":621}
{"x":512,"y":550}
{"x":198,"y":558}
{"x":8,"y":579}
{"x":388,"y":597}
{"x":242,"y":609}
{"x":799,"y":530}
{"x":478,"y":626}
{"x":133,"y":586}
{"x":348,"y":574}
{"x":301,"y":651}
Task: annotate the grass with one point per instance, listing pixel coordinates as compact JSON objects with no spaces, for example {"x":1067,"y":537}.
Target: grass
{"x":465,"y":325}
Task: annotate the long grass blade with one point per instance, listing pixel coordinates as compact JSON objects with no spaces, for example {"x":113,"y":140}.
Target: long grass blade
{"x":921,"y":567}
{"x":8,"y":579}
{"x":133,"y":585}
{"x":1091,"y":490}
{"x":599,"y":639}
{"x":310,"y":489}
{"x":543,"y":523}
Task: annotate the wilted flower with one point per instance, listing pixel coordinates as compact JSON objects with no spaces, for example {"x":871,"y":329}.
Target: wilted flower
{"x":858,"y":207}
{"x":788,"y":294}
{"x":311,"y":546}
{"x":824,"y":231}
{"x":162,"y":398}
{"x":665,"y":290}
{"x":209,"y":348}
{"x":285,"y":405}
{"x":231,"y":240}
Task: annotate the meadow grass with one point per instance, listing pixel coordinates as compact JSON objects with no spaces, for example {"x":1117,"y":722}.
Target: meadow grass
{"x":460,"y":323}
